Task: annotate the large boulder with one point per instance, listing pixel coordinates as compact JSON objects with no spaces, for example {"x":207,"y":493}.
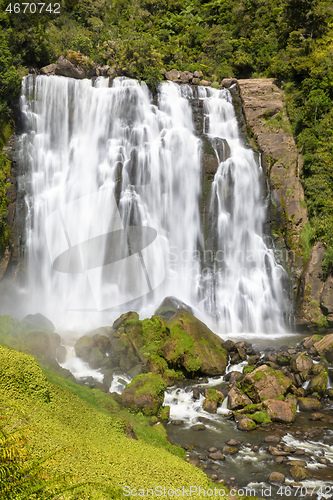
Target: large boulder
{"x":280,"y":411}
{"x":145,"y":394}
{"x":64,"y":67}
{"x":324,"y":347}
{"x":39,"y":322}
{"x":265,"y":383}
{"x":193,"y":346}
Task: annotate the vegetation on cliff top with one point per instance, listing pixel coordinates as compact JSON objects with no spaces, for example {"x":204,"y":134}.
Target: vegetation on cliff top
{"x":291,"y":40}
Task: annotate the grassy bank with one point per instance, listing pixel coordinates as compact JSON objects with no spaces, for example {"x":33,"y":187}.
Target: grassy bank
{"x":90,"y":431}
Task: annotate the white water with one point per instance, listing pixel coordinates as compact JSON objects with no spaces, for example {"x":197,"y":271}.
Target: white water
{"x":113,"y":186}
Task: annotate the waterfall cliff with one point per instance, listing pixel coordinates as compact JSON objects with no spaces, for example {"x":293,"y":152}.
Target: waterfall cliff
{"x":113,"y":187}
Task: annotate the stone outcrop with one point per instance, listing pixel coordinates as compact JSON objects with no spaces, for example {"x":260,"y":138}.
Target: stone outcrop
{"x":266,"y":117}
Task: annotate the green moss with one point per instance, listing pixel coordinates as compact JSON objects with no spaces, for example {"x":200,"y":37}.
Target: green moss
{"x":248,"y":369}
{"x":260,"y":417}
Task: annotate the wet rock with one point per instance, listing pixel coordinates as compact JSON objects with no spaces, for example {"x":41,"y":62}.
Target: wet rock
{"x":309,"y":342}
{"x":279,"y":460}
{"x":318,"y":384}
{"x":229,"y":345}
{"x":213,"y":399}
{"x":198,"y":427}
{"x":299,"y":463}
{"x":195,"y":462}
{"x":211,"y":449}
{"x":276,"y":477}
{"x":299,"y":473}
{"x":233,"y":377}
{"x":246,"y":424}
{"x":145,"y":393}
{"x":233,"y":442}
{"x":196,"y":394}
{"x":198,"y":74}
{"x":177,"y":422}
{"x":330,"y":393}
{"x":272,"y":439}
{"x":253,"y":360}
{"x":265,"y":383}
{"x":325,"y":347}
{"x":230,"y":450}
{"x":280,"y":411}
{"x":277,"y":452}
{"x":316,"y":416}
{"x":301,"y":363}
{"x":217,"y":456}
{"x":206,"y":83}
{"x":283,"y":359}
{"x":237,"y":399}
{"x":86,"y":349}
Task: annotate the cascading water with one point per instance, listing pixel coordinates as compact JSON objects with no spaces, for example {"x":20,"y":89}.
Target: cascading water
{"x":113,"y":223}
{"x":244,"y":290}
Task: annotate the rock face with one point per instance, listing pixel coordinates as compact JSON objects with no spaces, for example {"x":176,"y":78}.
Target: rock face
{"x":265,"y":383}
{"x":266,"y":116}
{"x":326,"y":300}
{"x":145,"y":393}
{"x":310,"y":289}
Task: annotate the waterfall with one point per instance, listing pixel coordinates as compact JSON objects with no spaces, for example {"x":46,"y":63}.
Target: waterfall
{"x":112,"y":183}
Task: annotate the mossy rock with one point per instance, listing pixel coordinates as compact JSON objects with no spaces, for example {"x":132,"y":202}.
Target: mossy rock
{"x":265,"y":383}
{"x":260,"y":417}
{"x":318,"y":384}
{"x":246,"y":424}
{"x":248,"y":369}
{"x":299,"y":473}
{"x":194,"y":346}
{"x":184,"y":343}
{"x":145,"y":394}
{"x":21,"y":375}
{"x":213,"y":399}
